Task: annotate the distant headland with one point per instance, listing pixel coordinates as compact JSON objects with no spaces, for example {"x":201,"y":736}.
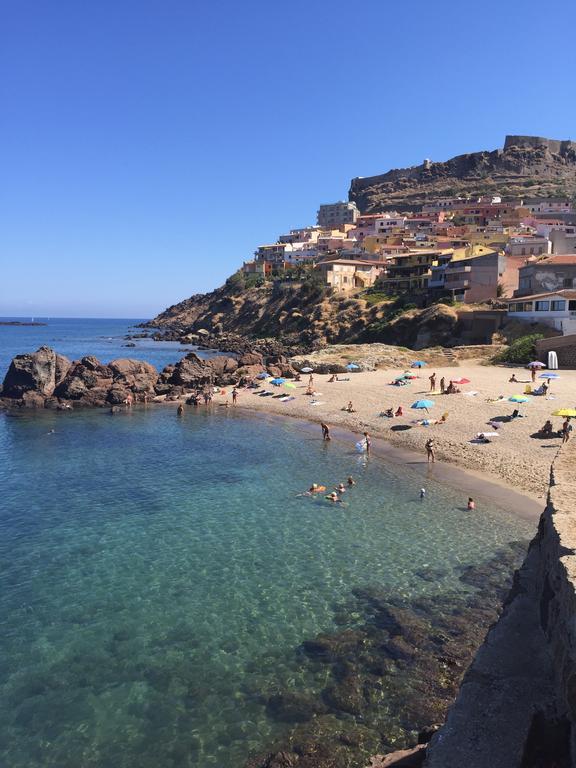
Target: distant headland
{"x":20,"y":322}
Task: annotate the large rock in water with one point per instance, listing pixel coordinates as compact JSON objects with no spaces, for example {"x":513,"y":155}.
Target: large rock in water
{"x":135,"y":375}
{"x":40,"y":372}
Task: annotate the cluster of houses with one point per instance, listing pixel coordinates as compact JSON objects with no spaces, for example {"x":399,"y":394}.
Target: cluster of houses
{"x":473,"y":251}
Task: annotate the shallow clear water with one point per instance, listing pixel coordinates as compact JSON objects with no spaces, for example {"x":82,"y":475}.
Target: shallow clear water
{"x":157,"y":575}
{"x":76,"y":337}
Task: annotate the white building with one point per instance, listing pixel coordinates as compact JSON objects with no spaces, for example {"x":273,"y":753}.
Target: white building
{"x":389,"y":224}
{"x":556,"y":309}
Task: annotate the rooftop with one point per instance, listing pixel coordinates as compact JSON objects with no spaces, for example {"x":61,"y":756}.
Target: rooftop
{"x":557,"y":258}
{"x":565,"y":294}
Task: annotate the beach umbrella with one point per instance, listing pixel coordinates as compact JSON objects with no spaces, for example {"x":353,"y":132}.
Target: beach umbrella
{"x":549,"y":376}
{"x":422,"y":404}
{"x":262,"y":375}
{"x":352,"y":367}
{"x":307,"y":370}
{"x":518,"y":399}
{"x":535,"y":364}
{"x":461,"y":381}
{"x":571,"y":412}
{"x":418,"y":364}
{"x":278,"y":381}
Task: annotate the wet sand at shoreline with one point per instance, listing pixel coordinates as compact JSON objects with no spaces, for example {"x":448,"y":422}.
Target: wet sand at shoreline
{"x":513,"y":458}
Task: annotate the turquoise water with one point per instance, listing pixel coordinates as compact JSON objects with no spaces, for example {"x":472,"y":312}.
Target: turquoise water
{"x":157,"y":576}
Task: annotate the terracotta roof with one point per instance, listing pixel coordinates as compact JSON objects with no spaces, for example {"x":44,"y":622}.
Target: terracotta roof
{"x":351,"y":262}
{"x":563,"y":293}
{"x":557,"y":258}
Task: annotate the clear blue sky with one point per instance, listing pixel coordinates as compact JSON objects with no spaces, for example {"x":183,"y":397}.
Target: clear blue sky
{"x":148,"y":146}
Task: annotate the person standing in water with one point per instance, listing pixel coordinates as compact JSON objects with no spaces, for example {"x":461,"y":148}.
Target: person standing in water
{"x":430,"y":450}
{"x":180,"y":411}
{"x":367,"y":443}
{"x":325,"y":431}
{"x":234,"y":396}
{"x":471,"y":503}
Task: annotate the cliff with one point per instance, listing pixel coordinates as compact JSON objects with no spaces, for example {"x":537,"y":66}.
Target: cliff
{"x":517,"y":703}
{"x":527,"y":166}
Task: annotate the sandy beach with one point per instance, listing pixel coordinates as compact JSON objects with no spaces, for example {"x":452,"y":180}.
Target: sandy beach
{"x":513,"y":457}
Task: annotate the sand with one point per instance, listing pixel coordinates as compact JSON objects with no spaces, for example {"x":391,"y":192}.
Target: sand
{"x":513,"y":457}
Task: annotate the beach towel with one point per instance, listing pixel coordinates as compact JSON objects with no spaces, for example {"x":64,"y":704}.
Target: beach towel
{"x":471,"y":394}
{"x":316,"y":402}
{"x":287,"y":399}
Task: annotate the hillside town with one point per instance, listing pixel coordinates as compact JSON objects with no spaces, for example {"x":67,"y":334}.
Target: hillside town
{"x":519,"y":252}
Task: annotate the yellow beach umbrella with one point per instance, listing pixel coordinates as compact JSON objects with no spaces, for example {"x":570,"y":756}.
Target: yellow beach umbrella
{"x":566,"y":412}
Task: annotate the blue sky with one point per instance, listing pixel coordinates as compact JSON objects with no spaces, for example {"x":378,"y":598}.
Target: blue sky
{"x":148,"y":146}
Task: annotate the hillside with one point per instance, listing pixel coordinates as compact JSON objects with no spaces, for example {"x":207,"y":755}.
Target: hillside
{"x":527,"y":166}
{"x":305,"y":315}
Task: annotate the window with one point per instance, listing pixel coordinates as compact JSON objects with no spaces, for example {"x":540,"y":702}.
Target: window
{"x":572,"y":306}
{"x":568,"y":282}
{"x":542,"y":306}
{"x":558,"y":306}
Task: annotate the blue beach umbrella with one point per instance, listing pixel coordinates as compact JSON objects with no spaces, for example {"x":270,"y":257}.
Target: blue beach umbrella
{"x":422,"y":404}
{"x":418,"y":364}
{"x":519,"y":399}
{"x":352,"y":367}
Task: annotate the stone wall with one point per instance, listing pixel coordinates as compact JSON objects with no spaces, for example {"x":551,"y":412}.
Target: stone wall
{"x":535,"y":142}
{"x":564,"y":346}
{"x":517,"y":704}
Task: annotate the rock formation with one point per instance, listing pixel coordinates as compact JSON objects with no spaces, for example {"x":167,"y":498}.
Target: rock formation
{"x":527,"y":166}
{"x":45,"y":379}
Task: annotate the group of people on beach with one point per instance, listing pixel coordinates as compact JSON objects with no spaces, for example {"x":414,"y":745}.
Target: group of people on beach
{"x":451,"y":389}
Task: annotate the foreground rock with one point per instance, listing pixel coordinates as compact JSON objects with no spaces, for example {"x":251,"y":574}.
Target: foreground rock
{"x":45,"y":379}
{"x":39,"y":373}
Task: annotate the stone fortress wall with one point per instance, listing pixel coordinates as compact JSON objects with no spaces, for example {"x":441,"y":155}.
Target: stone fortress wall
{"x":557,"y":147}
{"x":517,"y":704}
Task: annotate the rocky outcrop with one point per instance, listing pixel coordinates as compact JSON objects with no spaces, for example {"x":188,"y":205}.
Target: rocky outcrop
{"x":46,"y":379}
{"x":41,"y":373}
{"x":527,"y":166}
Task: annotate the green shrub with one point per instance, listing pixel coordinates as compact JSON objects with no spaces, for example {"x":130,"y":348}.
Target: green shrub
{"x":521,"y":351}
{"x":375,"y":297}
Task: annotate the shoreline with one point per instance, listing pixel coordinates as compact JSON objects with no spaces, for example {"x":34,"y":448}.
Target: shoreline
{"x":523,"y":504}
{"x":517,"y":456}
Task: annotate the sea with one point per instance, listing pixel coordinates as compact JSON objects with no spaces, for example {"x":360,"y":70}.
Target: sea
{"x":162,"y":578}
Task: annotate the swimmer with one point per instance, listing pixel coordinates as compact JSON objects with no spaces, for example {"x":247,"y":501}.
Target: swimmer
{"x":351,"y":482}
{"x":422,"y":493}
{"x":471,"y":503}
{"x":333,"y":497}
{"x":340,"y":488}
{"x":51,"y":432}
{"x":180,"y":410}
